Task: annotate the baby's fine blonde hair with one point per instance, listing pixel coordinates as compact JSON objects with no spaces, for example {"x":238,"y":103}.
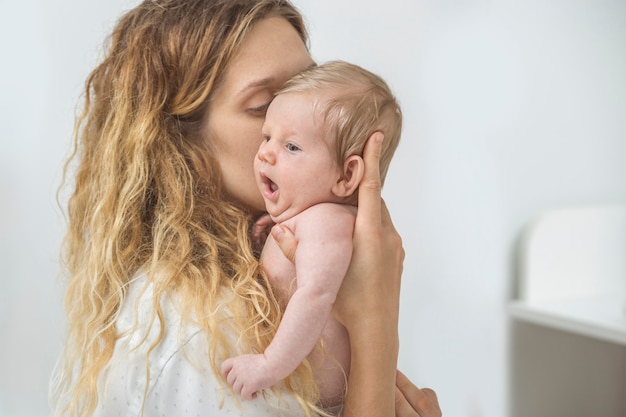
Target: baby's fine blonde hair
{"x":147,"y":192}
{"x":355,"y":104}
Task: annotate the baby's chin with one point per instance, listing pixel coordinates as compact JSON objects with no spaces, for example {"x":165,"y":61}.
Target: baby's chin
{"x":285,"y":213}
{"x":279,"y":216}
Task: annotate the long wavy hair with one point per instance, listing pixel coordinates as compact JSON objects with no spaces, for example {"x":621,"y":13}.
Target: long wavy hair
{"x":147,"y":193}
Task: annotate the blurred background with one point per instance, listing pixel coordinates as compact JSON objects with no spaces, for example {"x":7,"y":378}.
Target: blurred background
{"x":512,"y":107}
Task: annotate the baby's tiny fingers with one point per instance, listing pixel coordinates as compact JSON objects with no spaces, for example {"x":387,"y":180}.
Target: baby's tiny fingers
{"x":226,"y":367}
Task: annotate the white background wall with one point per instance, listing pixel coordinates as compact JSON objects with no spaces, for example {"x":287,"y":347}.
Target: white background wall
{"x":511,"y":107}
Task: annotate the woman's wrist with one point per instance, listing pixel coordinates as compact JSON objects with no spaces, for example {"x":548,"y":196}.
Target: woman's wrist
{"x":374,"y":356}
{"x":363,"y":329}
{"x":375,"y":338}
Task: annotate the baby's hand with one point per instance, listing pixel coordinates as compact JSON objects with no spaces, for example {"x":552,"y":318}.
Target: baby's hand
{"x":261,"y":229}
{"x":248,"y":374}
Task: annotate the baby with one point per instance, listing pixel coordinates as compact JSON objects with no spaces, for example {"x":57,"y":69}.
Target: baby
{"x":308,"y":169}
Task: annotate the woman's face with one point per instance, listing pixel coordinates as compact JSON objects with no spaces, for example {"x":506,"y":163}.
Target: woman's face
{"x":271,"y":54}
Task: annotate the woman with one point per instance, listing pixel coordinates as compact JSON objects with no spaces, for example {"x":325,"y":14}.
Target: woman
{"x":164,"y":281}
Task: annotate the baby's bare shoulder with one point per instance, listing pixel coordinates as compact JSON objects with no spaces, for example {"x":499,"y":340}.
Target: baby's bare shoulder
{"x":332,"y":209}
{"x":326,"y":218}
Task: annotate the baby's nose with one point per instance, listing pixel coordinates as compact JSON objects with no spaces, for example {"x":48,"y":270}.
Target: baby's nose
{"x":266,"y":153}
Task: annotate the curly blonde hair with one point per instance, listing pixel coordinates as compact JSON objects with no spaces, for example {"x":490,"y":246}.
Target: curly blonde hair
{"x":147,"y":194}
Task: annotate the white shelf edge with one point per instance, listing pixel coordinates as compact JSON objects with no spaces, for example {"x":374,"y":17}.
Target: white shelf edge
{"x":578,"y":316}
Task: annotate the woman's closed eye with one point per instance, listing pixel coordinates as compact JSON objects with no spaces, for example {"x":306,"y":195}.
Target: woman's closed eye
{"x":259,"y":111}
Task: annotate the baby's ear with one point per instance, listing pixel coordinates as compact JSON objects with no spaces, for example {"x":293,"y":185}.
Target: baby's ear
{"x":353,"y":170}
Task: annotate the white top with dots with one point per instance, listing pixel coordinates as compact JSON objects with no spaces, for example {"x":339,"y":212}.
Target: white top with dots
{"x":180,"y":382}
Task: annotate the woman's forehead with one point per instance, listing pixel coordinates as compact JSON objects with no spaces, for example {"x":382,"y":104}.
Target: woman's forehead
{"x":271,"y":53}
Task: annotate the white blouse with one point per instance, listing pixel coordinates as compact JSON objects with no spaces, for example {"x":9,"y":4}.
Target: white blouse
{"x":181,"y":380}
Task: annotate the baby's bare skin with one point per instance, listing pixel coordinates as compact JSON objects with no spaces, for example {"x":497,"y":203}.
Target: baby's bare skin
{"x":307,"y":292}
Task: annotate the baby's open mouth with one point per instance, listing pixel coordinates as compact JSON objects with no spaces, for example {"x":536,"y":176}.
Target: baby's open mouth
{"x":270,"y":186}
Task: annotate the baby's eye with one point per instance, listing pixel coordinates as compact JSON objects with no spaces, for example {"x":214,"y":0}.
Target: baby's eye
{"x":292,"y":148}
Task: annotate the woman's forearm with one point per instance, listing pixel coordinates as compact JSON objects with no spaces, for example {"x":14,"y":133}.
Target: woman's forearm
{"x":372,"y":379}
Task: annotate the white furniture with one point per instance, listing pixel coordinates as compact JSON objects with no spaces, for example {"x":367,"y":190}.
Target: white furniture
{"x":572,"y":272}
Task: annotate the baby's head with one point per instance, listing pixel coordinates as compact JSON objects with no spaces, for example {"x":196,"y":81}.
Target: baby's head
{"x":356,"y":103}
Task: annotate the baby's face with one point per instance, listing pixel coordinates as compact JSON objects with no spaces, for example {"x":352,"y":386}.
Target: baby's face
{"x":294,"y":165}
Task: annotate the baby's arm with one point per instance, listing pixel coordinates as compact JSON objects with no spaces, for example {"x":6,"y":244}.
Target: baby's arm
{"x":324,"y":234}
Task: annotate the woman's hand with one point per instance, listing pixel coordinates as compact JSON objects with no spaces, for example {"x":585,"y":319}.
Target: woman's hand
{"x":371,"y":288}
{"x":414,"y":402}
{"x":368,"y":301}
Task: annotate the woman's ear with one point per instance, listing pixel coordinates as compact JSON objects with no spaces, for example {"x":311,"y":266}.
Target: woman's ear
{"x":353,"y":170}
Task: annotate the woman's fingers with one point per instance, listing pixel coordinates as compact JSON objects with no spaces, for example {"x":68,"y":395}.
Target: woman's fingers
{"x":369,"y":190}
{"x":286,"y":241}
{"x":412,"y":401}
{"x":403,"y":408}
{"x":387,"y":223}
